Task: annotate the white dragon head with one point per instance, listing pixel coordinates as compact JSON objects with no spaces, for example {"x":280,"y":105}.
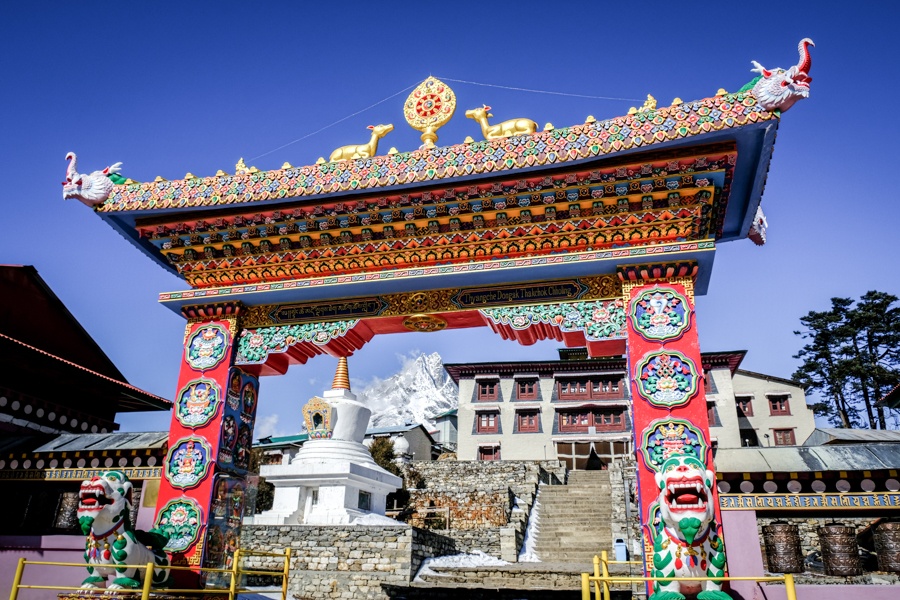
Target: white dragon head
{"x":104,"y":501}
{"x":778,"y":89}
{"x":685,"y":497}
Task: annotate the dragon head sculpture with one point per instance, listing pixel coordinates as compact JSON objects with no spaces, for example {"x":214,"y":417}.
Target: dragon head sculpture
{"x":685,"y":497}
{"x":104,"y":501}
{"x":778,"y":89}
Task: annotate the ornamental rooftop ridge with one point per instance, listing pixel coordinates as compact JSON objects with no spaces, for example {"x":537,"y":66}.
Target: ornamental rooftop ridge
{"x":620,"y":135}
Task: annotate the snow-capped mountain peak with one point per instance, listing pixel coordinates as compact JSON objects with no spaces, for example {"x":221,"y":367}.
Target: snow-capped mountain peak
{"x":421,"y":390}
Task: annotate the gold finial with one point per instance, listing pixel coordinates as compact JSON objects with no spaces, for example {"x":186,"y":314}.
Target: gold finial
{"x":287,"y":165}
{"x":254,"y":170}
{"x":129,"y":181}
{"x":429,"y":107}
{"x":158,"y":178}
{"x":468,"y":140}
{"x":721,"y":92}
{"x":548,"y":127}
{"x":240,"y":168}
{"x":221,"y":173}
{"x":189,"y":175}
{"x":393,"y":151}
{"x":677,"y":101}
{"x":590,"y":119}
{"x":321,"y":160}
{"x":649,"y":104}
{"x":341,"y":376}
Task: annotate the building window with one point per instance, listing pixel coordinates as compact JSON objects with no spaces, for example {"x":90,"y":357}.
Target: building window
{"x":487,"y":422}
{"x":314,"y":497}
{"x":744,"y":405}
{"x":487,"y":390}
{"x":578,"y":421}
{"x":778,"y":405}
{"x":589,"y":388}
{"x":784,"y":437}
{"x":528,"y":421}
{"x":526,"y":389}
{"x":489,"y":453}
{"x":365,"y":501}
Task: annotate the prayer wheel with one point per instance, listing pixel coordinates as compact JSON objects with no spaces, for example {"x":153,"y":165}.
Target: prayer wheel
{"x":783,"y":553}
{"x":840,"y":552}
{"x":887,"y":546}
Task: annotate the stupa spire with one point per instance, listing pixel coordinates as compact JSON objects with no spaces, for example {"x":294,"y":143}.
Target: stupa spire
{"x":341,"y":376}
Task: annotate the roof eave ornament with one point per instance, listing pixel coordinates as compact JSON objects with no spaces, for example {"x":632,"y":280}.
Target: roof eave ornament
{"x":778,"y":89}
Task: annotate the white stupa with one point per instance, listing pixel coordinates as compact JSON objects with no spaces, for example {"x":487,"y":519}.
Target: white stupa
{"x":333,"y":479}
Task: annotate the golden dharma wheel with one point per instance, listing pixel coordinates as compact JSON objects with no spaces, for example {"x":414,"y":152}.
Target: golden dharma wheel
{"x":430,"y":106}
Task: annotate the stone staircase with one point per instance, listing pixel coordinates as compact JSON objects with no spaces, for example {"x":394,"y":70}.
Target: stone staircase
{"x":575,"y":518}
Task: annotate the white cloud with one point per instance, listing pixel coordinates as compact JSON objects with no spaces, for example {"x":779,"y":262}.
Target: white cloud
{"x":268,"y":426}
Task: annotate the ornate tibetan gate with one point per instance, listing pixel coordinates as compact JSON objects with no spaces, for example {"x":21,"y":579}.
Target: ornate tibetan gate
{"x":596,"y":235}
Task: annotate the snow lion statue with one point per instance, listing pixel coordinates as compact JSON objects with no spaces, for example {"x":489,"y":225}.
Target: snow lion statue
{"x":104,"y":507}
{"x":686,"y":544}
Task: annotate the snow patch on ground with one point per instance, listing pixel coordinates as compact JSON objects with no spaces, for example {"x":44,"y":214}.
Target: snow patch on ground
{"x":475,"y":559}
{"x":373,"y":519}
{"x":527,"y":553}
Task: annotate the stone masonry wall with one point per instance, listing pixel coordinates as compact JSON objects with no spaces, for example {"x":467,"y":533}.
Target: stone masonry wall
{"x":622,"y":491}
{"x":488,"y":502}
{"x":344,"y":561}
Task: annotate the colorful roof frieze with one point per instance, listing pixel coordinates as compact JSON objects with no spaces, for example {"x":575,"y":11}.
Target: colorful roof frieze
{"x":509,"y":154}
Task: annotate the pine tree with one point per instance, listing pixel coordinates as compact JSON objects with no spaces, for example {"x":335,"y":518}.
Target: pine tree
{"x":852,"y":358}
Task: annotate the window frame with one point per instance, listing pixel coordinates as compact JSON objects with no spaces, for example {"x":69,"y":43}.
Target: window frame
{"x":487,"y":421}
{"x":487,"y":396}
{"x":534,"y":414}
{"x":786,"y":411}
{"x":489,"y":453}
{"x":602,"y":419}
{"x":591,"y":387}
{"x":525,"y":395}
{"x":741,"y":411}
{"x":787,"y":431}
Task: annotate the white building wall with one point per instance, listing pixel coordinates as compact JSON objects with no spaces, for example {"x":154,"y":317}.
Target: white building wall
{"x":728,"y":435}
{"x":760,"y":387}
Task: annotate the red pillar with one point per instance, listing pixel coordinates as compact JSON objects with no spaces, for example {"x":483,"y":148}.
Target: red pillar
{"x":202,"y":490}
{"x":676,"y":480}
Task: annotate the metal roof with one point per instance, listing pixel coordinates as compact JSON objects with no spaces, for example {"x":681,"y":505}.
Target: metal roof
{"x":71,"y":442}
{"x":793,"y":459}
{"x":822,"y":436}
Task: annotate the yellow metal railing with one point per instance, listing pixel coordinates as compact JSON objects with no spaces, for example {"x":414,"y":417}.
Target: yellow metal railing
{"x":602,"y":579}
{"x":147,"y":591}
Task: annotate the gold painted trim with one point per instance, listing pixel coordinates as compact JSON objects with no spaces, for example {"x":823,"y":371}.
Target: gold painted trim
{"x":407,"y":304}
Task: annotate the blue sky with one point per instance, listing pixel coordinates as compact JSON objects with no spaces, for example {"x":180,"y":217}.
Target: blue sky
{"x":168,"y":88}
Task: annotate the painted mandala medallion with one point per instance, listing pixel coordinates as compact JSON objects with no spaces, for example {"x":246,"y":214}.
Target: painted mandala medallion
{"x":187,"y":462}
{"x":665,"y":437}
{"x":666,"y":378}
{"x":207,"y":347}
{"x":660,"y":314}
{"x":180,"y":519}
{"x":198,"y":402}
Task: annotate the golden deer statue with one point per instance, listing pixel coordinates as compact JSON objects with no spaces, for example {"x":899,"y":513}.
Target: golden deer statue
{"x":362,"y":150}
{"x":504,"y":129}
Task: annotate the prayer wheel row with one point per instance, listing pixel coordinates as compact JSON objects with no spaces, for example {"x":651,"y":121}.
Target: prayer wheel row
{"x":840,"y":551}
